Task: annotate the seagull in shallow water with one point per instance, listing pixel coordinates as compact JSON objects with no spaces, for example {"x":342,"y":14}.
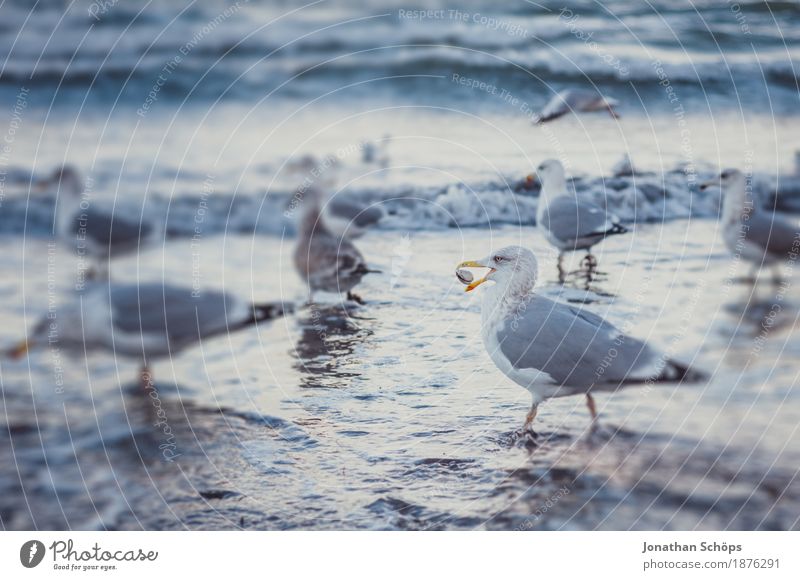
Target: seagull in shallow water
{"x":762,"y":237}
{"x":554,"y":349}
{"x":570,"y":223}
{"x":143,"y":321}
{"x":326,"y":261}
{"x":96,"y":232}
{"x":575,"y":101}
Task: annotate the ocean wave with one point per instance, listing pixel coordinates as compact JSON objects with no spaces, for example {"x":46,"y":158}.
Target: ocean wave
{"x":643,"y":197}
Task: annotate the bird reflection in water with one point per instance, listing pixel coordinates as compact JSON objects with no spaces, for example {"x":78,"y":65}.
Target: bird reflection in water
{"x":325,"y":352}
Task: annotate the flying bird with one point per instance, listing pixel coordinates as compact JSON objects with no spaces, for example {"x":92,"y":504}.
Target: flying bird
{"x":575,"y":101}
{"x":554,"y":349}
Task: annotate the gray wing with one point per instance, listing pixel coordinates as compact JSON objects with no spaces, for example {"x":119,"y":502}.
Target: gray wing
{"x":177,"y":315}
{"x":774,"y":233}
{"x":332,"y":264}
{"x":353,"y":212}
{"x":555,"y":108}
{"x":111,"y":230}
{"x":575,"y":347}
{"x":568,"y":218}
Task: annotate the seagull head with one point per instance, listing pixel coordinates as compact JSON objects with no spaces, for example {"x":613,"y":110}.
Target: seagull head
{"x":730,"y":180}
{"x":550,"y":173}
{"x":513,"y":268}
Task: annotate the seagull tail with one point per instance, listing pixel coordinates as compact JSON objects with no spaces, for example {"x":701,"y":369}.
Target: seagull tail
{"x":675,"y":371}
{"x":268,"y":311}
{"x":617,"y":229}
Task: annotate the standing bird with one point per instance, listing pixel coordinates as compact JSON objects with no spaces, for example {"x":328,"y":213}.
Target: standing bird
{"x":143,"y":321}
{"x":758,"y":236}
{"x":554,"y":349}
{"x":569,"y":223}
{"x":575,"y":101}
{"x":95,"y":232}
{"x":327,"y":262}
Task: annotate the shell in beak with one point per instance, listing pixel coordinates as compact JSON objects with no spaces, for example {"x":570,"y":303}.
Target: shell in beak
{"x":475,"y":264}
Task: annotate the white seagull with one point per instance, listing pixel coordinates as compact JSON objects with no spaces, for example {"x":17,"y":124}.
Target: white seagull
{"x":100,"y":233}
{"x":554,"y":349}
{"x":567,"y":222}
{"x":143,"y":321}
{"x":575,"y":101}
{"x":762,"y":237}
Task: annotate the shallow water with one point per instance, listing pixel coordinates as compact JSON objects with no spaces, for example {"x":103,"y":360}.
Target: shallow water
{"x":392,"y":415}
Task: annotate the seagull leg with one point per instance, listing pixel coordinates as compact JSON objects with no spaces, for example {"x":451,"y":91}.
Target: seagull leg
{"x":592,"y":410}
{"x":528,"y":426}
{"x":355,"y":298}
{"x":777,"y":275}
{"x":562,"y":275}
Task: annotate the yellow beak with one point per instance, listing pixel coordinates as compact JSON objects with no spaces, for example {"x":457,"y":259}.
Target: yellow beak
{"x":532,"y":178}
{"x":474,"y":264}
{"x":19,"y":350}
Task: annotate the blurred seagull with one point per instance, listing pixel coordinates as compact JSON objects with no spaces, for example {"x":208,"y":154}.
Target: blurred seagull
{"x":567,"y":222}
{"x":554,"y":349}
{"x":326,"y":261}
{"x":575,"y":101}
{"x":143,"y":321}
{"x":762,"y":237}
{"x":344,"y":214}
{"x":102,"y":234}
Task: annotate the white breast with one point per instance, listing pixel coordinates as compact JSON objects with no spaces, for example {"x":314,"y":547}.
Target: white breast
{"x":493,"y":314}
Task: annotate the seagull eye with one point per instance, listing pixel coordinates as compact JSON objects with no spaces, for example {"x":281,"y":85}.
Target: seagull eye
{"x":724,"y":175}
{"x":498,"y":259}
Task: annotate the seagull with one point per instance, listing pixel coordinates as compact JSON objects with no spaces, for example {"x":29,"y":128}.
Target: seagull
{"x":575,"y":101}
{"x":758,"y":236}
{"x":345,"y":216}
{"x":554,"y":349}
{"x":326,"y":261}
{"x":95,"y":232}
{"x":567,"y":222}
{"x":376,"y":152}
{"x":143,"y":321}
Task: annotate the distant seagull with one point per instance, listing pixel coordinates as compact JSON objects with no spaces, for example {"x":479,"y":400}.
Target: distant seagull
{"x":344,"y":214}
{"x":554,"y":349}
{"x":570,"y":223}
{"x":575,"y":101}
{"x":327,"y":262}
{"x":347,"y":216}
{"x":624,"y":167}
{"x":143,"y":321}
{"x":759,"y":236}
{"x":98,"y":232}
{"x":376,"y":152}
